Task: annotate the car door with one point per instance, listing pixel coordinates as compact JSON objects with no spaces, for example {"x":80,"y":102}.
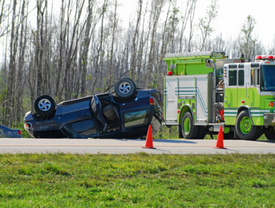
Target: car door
{"x":97,"y":114}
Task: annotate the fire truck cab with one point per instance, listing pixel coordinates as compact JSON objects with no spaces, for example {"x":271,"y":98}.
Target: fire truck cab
{"x":204,"y":91}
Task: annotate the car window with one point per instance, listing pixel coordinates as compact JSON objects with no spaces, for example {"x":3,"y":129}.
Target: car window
{"x":135,"y":118}
{"x":83,"y":128}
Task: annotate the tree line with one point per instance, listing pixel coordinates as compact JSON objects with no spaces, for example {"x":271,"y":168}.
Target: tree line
{"x":84,"y":48}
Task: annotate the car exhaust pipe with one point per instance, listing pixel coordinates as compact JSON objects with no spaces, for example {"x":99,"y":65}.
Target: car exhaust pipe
{"x":27,"y":126}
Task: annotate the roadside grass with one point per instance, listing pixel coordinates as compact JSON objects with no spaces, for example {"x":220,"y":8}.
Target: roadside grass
{"x":137,"y":180}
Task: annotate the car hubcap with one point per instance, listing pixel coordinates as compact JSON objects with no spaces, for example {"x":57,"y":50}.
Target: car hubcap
{"x":124,"y":87}
{"x":44,"y":105}
{"x":245,"y":125}
{"x":186,"y":125}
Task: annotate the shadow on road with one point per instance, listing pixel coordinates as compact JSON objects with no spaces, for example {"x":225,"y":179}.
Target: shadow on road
{"x":265,"y":141}
{"x":174,"y":141}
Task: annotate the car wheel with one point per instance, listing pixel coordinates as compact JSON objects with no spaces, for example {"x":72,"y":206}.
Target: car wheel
{"x":44,"y":105}
{"x":244,"y":127}
{"x":189,"y":131}
{"x":125,"y":88}
{"x":270,"y":133}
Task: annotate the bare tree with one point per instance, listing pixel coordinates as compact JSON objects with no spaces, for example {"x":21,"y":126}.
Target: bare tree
{"x":40,"y":44}
{"x":247,"y":42}
{"x":62,"y":36}
{"x":188,"y":15}
{"x":205,"y":23}
{"x":165,"y":38}
{"x":91,"y":23}
{"x":135,"y":41}
{"x":19,"y":84}
{"x":110,"y":55}
{"x":191,"y":20}
{"x":173,"y":22}
{"x":5,"y":11}
{"x":12,"y":67}
{"x":156,"y":8}
{"x":72,"y":47}
{"x":99,"y":50}
{"x":142,"y":49}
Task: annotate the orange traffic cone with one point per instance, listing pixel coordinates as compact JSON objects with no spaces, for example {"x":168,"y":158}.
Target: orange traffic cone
{"x":149,"y":139}
{"x":219,"y":143}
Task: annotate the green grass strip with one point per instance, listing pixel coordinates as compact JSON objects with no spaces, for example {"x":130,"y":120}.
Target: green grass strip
{"x":137,"y":180}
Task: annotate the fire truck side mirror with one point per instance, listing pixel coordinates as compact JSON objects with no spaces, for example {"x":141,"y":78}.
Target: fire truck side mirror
{"x":209,"y":63}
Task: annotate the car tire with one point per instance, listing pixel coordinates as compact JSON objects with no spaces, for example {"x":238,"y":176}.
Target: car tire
{"x":189,"y":131}
{"x":244,"y":127}
{"x":44,"y":106}
{"x":125,"y":88}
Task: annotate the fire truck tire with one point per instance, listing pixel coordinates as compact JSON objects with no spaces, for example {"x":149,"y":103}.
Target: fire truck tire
{"x":235,"y":135}
{"x":231,"y":135}
{"x":180,"y":132}
{"x":244,"y":127}
{"x":189,"y":131}
{"x":202,"y":132}
{"x":270,"y":133}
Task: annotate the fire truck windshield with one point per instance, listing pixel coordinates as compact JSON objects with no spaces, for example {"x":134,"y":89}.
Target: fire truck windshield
{"x":268,"y":77}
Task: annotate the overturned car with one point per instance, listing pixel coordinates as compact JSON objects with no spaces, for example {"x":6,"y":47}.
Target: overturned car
{"x":127,"y":113}
{"x":6,"y":132}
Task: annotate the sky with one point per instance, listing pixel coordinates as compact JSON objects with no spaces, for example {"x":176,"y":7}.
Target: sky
{"x":232,"y":14}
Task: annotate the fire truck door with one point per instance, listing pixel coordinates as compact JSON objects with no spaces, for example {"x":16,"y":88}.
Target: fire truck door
{"x":170,"y":99}
{"x":195,"y":88}
{"x":231,"y":94}
{"x":243,"y":82}
{"x":201,"y":99}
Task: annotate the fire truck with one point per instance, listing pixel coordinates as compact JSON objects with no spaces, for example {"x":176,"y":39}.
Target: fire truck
{"x":206,"y":90}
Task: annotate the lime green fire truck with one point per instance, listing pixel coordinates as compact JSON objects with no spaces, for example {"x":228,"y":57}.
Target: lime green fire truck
{"x":206,"y":90}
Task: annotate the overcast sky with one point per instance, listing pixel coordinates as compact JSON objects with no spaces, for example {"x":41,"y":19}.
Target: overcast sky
{"x":233,"y":13}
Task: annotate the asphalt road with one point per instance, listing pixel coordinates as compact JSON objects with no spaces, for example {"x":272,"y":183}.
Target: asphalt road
{"x":121,"y":146}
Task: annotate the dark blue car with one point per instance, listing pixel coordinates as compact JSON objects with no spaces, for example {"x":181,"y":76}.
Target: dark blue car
{"x":6,"y":132}
{"x":127,"y":113}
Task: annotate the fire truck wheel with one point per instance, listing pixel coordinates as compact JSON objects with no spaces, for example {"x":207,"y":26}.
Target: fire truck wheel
{"x":189,"y":131}
{"x":180,"y":132}
{"x":244,"y":127}
{"x":231,"y":135}
{"x":270,"y":133}
{"x":202,"y":132}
